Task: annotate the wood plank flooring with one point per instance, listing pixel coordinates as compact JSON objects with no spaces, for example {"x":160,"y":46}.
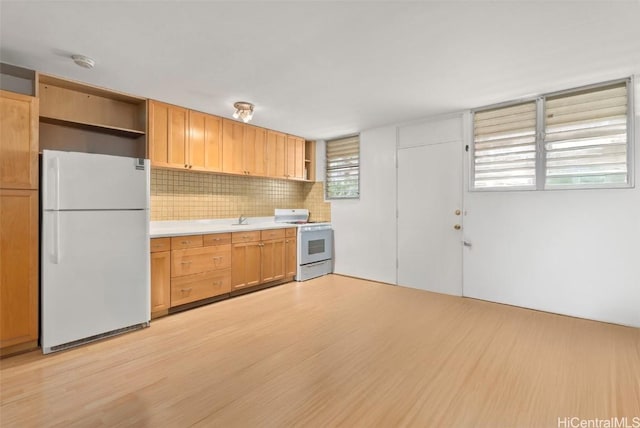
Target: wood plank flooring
{"x":335,"y":351}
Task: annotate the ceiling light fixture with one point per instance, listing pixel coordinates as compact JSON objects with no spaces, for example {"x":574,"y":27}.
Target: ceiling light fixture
{"x":244,"y":111}
{"x":83,"y":61}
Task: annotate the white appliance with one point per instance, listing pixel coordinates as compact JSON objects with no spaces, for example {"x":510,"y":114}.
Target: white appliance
{"x":95,"y":247}
{"x":315,"y":243}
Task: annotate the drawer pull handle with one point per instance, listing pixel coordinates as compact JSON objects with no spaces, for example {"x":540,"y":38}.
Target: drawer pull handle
{"x":185,"y":290}
{"x":186,"y":242}
{"x":217,"y":282}
{"x":185,"y":263}
{"x":218,"y":258}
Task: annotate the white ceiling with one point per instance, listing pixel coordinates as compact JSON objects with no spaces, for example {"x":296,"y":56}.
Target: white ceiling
{"x":327,"y":69}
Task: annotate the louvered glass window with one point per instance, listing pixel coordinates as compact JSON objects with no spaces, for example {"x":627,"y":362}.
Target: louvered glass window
{"x":582,"y":140}
{"x":505,"y":147}
{"x":586,"y":137}
{"x":343,"y":168}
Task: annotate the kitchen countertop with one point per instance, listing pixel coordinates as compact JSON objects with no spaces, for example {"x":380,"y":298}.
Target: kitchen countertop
{"x":161,"y":229}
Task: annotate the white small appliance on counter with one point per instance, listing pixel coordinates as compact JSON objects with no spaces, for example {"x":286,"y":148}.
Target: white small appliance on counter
{"x":315,"y":243}
{"x":95,"y":247}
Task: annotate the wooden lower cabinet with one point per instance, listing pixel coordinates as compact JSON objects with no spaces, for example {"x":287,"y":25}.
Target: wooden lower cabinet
{"x":18,"y":270}
{"x":245,"y":265}
{"x":185,"y":269}
{"x":160,"y":282}
{"x":197,"y":260}
{"x":190,"y":288}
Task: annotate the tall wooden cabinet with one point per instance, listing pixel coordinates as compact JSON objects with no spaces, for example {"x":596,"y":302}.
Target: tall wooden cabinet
{"x":19,"y":212}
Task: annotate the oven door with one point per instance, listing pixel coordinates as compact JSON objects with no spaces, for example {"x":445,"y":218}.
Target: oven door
{"x":315,"y":246}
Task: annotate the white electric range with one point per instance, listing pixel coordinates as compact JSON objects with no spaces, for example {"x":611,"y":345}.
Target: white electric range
{"x":315,"y":243}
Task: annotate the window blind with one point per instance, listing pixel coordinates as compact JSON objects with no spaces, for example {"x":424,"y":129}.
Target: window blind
{"x":586,"y":137}
{"x":343,"y":168}
{"x":505,"y":147}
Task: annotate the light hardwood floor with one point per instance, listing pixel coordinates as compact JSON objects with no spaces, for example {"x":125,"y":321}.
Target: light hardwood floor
{"x":335,"y":351}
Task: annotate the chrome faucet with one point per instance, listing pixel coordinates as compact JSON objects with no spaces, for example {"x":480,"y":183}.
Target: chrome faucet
{"x":242,"y":219}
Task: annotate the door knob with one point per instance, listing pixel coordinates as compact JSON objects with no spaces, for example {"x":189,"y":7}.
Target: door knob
{"x":457,"y":212}
{"x":457,"y":227}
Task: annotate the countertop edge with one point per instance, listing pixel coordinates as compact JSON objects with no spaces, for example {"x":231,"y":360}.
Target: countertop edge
{"x":204,"y":230}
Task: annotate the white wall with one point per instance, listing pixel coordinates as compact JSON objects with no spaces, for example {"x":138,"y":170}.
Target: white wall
{"x":573,"y":252}
{"x":365,"y":229}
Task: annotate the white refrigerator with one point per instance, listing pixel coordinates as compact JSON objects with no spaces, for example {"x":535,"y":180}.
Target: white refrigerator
{"x":95,"y":247}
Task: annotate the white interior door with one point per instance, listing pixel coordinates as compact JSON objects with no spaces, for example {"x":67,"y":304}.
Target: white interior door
{"x":429,"y":208}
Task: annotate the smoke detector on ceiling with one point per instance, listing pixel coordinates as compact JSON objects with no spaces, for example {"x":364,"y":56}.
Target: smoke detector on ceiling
{"x":83,"y":61}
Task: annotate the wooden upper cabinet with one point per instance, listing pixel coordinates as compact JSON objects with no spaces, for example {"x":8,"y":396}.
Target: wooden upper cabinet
{"x":168,"y":135}
{"x":276,"y":154}
{"x":255,"y":150}
{"x":205,"y":142}
{"x":299,"y":159}
{"x":18,"y":141}
{"x":233,"y":146}
{"x":181,"y":138}
{"x":295,"y":158}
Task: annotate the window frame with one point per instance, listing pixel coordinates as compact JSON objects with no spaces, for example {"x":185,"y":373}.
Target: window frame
{"x":327,"y":197}
{"x":540,"y":145}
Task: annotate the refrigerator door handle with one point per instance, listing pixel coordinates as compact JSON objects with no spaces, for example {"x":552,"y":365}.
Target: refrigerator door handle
{"x":56,"y":238}
{"x":56,"y":177}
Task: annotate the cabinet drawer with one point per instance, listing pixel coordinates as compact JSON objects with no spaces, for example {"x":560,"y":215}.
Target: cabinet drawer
{"x":182,"y":242}
{"x":267,"y":235}
{"x":196,"y":260}
{"x":291,"y":232}
{"x":200,"y":286}
{"x":216,"y":239}
{"x":238,"y":237}
{"x":160,"y":244}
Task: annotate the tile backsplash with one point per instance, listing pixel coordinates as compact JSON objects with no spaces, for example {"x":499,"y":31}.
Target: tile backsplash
{"x":186,"y":195}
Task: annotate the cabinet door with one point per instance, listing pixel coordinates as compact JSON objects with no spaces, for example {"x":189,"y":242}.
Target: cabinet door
{"x":276,"y":154}
{"x":245,"y":265}
{"x":205,"y":142}
{"x":273,"y":260}
{"x":178,"y":123}
{"x":233,"y":146}
{"x":167,"y":135}
{"x":160,"y":281}
{"x":18,"y":267}
{"x":298,"y":172}
{"x":255,"y":140}
{"x":291,"y":157}
{"x":291,"y":256}
{"x":18,"y":141}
